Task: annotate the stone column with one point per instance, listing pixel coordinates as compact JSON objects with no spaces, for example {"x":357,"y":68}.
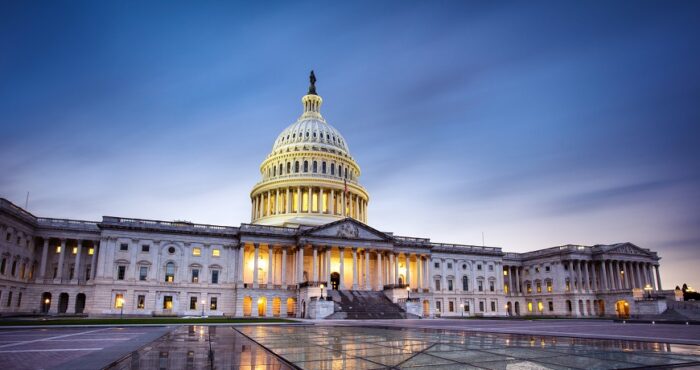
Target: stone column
{"x":241,"y":266}
{"x":93,"y":262}
{"x":310,"y":199}
{"x":419,"y":273}
{"x":443,"y":274}
{"x":300,"y":265}
{"x":593,"y":275}
{"x":270,"y":267}
{"x":327,"y":273}
{"x":368,"y":286}
{"x":618,"y":274}
{"x":298,"y":199}
{"x":586,"y":276}
{"x":578,"y":284}
{"x":287,"y":207}
{"x":396,"y":268}
{"x":604,"y":275}
{"x":380,"y":275}
{"x":517,"y":280}
{"x":76,"y":269}
{"x":408,"y":269}
{"x":256,"y":247}
{"x":61,"y":259}
{"x":658,"y":278}
{"x":342,"y":268}
{"x":44,"y":257}
{"x":510,"y":279}
{"x":284,"y":269}
{"x":277,"y":203}
{"x":331,"y":201}
{"x":354,"y":268}
{"x":650,"y":278}
{"x":315,"y":264}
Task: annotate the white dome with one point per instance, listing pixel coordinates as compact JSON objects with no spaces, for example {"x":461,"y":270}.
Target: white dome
{"x":310,"y":133}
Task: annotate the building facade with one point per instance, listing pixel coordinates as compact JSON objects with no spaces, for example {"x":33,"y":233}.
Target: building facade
{"x":308,"y":232}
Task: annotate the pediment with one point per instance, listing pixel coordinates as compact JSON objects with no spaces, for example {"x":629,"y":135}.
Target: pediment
{"x":628,"y":249}
{"x":347,"y":228}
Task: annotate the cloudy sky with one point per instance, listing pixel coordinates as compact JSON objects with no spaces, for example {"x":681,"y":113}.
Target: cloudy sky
{"x":538,"y":124}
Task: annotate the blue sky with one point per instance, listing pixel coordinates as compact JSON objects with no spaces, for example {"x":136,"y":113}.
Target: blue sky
{"x":539,"y":123}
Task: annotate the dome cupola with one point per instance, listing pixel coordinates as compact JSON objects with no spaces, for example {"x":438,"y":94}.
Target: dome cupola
{"x":309,"y":177}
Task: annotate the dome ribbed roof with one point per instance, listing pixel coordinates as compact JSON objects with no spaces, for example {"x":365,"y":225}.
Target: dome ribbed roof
{"x":307,"y":133}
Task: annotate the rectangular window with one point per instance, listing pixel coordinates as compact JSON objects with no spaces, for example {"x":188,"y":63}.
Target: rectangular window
{"x":437,"y":265}
{"x":466,"y":307}
{"x":123,"y":247}
{"x":540,"y":306}
{"x":141,"y":302}
{"x":449,"y":285}
{"x":75,"y":250}
{"x":437,"y":285}
{"x":91,"y":251}
{"x":480,"y":284}
{"x":215,"y":253}
{"x":9,"y":299}
{"x":195,"y":275}
{"x":168,"y":302}
{"x":539,"y":287}
{"x":465,"y":283}
{"x":551,"y":306}
{"x":492,"y":286}
{"x":529,"y":288}
{"x":449,"y":265}
{"x":490,"y":267}
{"x":87,"y":273}
{"x":58,"y":249}
{"x":505,"y":272}
{"x":529,"y":306}
{"x":193,"y":303}
{"x":212,"y":303}
{"x":121,"y":271}
{"x":493,"y":306}
{"x":19,"y":299}
{"x":215,"y":276}
{"x":71,"y":272}
{"x":118,"y":300}
{"x":145,"y":248}
{"x":478,"y":267}
{"x":438,"y":306}
{"x":196,"y":252}
{"x":451,"y":306}
{"x":546,"y":269}
{"x":537,"y":270}
{"x":568,"y":287}
{"x":143,"y":273}
{"x":549,"y":286}
{"x":481,"y":306}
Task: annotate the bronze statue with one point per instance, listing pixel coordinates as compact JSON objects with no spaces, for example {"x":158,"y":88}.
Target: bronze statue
{"x":312,"y":86}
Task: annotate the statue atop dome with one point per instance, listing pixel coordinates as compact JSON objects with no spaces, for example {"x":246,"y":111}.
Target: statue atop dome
{"x":312,"y":85}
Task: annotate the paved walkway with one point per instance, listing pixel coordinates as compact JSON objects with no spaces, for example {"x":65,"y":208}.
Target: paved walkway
{"x":71,"y":348}
{"x":602,"y":329}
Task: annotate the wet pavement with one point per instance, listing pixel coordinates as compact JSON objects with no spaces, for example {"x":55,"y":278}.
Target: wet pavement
{"x":202,"y":347}
{"x":335,"y":347}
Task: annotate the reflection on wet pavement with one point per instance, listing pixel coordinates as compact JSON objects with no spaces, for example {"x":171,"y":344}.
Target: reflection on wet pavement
{"x":328,"y":347}
{"x":188,"y":347}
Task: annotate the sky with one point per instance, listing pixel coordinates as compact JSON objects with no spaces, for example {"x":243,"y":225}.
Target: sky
{"x":535,"y":123}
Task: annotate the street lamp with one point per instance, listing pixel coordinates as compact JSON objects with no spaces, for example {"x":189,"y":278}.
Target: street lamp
{"x":648,"y":289}
{"x":203,"y":303}
{"x":322,"y":286}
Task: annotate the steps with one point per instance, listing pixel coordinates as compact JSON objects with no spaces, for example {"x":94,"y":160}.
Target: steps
{"x":361,"y":305}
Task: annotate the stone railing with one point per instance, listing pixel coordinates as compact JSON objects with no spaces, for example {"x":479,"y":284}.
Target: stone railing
{"x":313,"y":284}
{"x":4,"y":203}
{"x":59,"y":223}
{"x":277,"y":230}
{"x":169,"y":225}
{"x":404,"y":300}
{"x":307,"y":175}
{"x":395,"y":286}
{"x":469,"y":248}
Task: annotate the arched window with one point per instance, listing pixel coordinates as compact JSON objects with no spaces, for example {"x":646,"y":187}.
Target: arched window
{"x":340,"y":171}
{"x":14,"y":268}
{"x":333,"y":169}
{"x":280,"y":171}
{"x":346,"y":172}
{"x":169,"y":272}
{"x":3,"y":265}
{"x":289,"y":167}
{"x":306,"y":166}
{"x":296,"y":166}
{"x":323,"y":167}
{"x":274,"y":171}
{"x":315,"y":167}
{"x":465,"y":283}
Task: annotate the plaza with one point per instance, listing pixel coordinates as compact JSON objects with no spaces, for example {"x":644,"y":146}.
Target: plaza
{"x":350,"y":344}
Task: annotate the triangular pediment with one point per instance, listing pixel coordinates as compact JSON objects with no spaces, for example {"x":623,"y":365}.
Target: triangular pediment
{"x":347,"y":228}
{"x":627,"y":248}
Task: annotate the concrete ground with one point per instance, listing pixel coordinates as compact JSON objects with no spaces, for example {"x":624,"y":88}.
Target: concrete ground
{"x":71,"y":348}
{"x":602,"y":329}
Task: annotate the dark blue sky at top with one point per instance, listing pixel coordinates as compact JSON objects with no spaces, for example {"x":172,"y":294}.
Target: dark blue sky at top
{"x":537,"y":123}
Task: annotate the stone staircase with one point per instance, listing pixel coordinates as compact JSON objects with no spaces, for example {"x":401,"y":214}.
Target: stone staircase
{"x":361,"y":305}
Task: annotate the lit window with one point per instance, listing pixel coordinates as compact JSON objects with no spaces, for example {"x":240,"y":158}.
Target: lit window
{"x":58,"y":249}
{"x":91,"y":251}
{"x":119,"y":300}
{"x":141,"y":302}
{"x":196,"y":252}
{"x":540,"y":306}
{"x":539,"y":288}
{"x":193,"y":303}
{"x":75,"y":250}
{"x":212,"y":303}
{"x":505,"y":272}
{"x":529,"y":306}
{"x":169,"y":272}
{"x":215,"y":252}
{"x":549,"y":286}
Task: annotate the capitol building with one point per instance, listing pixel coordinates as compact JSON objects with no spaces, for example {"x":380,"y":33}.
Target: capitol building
{"x":307,"y":252}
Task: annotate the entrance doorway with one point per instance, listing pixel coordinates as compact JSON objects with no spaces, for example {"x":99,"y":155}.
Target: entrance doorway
{"x":623,"y":309}
{"x":45,"y":302}
{"x":62,"y":303}
{"x":335,"y":280}
{"x":80,"y":303}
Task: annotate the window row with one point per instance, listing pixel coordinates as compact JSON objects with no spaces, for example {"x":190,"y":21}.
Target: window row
{"x":146,"y":248}
{"x":479,"y":267}
{"x":331,"y":138}
{"x":13,"y":270}
{"x":169,"y":274}
{"x":313,"y":166}
{"x":465,"y":285}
